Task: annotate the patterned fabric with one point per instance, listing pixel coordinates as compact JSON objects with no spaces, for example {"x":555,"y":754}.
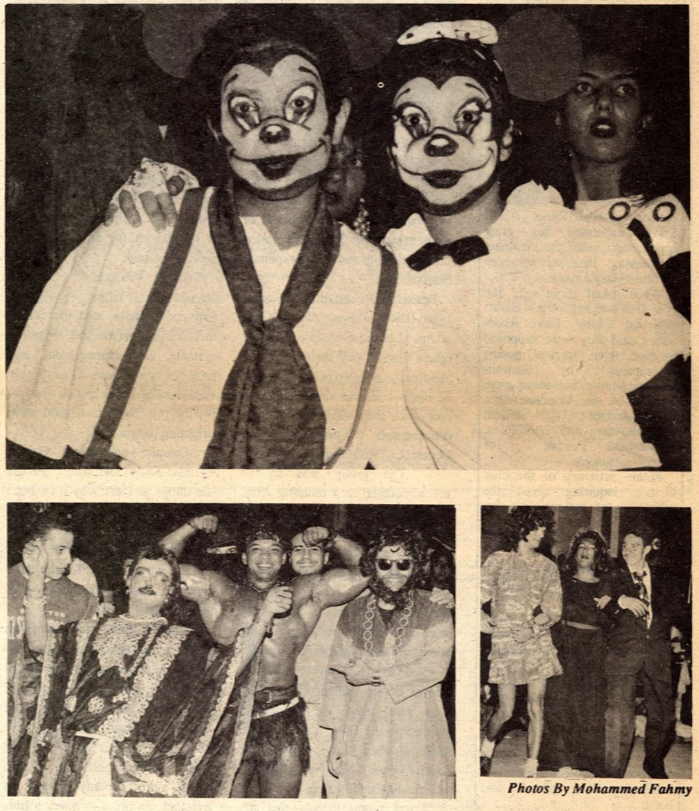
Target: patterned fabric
{"x":516,"y":586}
{"x":153,"y":709}
{"x":271,"y":415}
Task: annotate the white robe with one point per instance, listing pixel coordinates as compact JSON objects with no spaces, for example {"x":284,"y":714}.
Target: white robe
{"x":520,"y":359}
{"x":73,"y":343}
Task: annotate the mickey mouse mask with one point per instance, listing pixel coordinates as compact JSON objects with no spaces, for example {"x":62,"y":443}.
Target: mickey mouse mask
{"x":272,"y":89}
{"x":275,"y":124}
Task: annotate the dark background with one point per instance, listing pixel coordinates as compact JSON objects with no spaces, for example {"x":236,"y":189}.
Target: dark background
{"x":673,"y":526}
{"x":107,"y":534}
{"x":85,"y":98}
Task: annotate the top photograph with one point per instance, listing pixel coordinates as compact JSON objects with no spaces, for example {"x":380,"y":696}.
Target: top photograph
{"x":356,"y":236}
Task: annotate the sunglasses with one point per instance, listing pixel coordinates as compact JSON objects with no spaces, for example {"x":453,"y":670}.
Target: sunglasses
{"x":403,"y":565}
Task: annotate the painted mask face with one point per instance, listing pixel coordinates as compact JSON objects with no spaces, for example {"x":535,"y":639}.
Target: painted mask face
{"x":443,"y":140}
{"x":275,"y":125}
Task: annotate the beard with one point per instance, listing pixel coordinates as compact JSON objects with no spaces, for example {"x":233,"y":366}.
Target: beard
{"x":381,"y":591}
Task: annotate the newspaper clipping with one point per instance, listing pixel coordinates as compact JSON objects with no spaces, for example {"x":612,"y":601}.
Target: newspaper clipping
{"x":307,"y":305}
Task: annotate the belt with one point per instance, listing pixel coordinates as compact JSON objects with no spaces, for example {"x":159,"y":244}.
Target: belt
{"x":583,"y":626}
{"x":271,"y":696}
{"x":276,"y":709}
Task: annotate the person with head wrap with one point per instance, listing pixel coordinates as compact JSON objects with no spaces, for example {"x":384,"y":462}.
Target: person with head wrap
{"x":129,"y":704}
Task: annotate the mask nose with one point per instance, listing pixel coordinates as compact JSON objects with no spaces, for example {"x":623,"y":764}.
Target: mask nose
{"x":274,"y":134}
{"x":440,"y":146}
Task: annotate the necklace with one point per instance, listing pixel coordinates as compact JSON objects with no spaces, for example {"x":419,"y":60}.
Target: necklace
{"x":368,"y":625}
{"x":258,"y":589}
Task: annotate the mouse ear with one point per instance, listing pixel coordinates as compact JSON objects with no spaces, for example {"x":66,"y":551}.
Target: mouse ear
{"x":540,"y":52}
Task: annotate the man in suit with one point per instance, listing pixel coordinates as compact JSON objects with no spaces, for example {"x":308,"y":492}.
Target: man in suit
{"x":641,"y":603}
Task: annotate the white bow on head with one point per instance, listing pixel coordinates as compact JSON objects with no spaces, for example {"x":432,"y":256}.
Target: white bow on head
{"x":463,"y":30}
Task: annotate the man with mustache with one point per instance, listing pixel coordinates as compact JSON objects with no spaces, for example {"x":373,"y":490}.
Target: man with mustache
{"x":228,"y":356}
{"x":518,"y":327}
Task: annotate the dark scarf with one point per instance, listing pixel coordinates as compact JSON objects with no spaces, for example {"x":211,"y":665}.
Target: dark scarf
{"x":270,"y":414}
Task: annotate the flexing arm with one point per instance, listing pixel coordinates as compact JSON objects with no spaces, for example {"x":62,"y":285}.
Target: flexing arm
{"x":336,"y":586}
{"x":176,"y":541}
{"x":215,"y":594}
{"x":36,"y":626}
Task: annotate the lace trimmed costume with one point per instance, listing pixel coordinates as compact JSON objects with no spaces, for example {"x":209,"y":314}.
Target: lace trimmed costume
{"x":127,"y":708}
{"x":516,"y":587}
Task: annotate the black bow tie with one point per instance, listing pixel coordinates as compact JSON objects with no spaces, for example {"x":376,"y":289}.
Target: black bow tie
{"x":461,"y":251}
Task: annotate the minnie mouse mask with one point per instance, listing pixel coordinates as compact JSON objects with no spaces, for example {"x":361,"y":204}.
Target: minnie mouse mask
{"x":450,"y":107}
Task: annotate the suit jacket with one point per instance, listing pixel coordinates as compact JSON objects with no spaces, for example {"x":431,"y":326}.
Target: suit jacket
{"x":632,"y":644}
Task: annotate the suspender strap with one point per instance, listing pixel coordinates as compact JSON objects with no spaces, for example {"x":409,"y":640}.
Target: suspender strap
{"x":99,"y":454}
{"x":382,"y":309}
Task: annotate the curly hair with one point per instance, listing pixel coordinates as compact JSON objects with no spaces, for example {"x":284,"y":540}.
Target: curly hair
{"x":173,"y":608}
{"x":600,"y":564}
{"x":520,"y":521}
{"x":412,"y":542}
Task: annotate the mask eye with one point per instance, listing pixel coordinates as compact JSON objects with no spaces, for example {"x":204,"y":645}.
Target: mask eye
{"x":245,"y":112}
{"x":414,"y":120}
{"x":300,"y":104}
{"x":468,"y":117}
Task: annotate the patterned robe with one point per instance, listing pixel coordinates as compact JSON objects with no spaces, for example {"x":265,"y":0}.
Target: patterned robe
{"x":129,"y":708}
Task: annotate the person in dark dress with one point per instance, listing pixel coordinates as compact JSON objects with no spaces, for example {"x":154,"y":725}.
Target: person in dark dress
{"x":575,"y":701}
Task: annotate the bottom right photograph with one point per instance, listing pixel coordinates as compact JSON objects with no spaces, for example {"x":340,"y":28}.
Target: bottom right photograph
{"x":586,"y":642}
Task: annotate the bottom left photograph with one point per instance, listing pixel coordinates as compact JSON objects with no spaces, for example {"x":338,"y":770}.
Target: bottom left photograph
{"x":231,"y":650}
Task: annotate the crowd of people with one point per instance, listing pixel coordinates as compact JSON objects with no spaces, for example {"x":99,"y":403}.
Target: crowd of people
{"x":581,"y":636}
{"x":273,"y":686}
{"x":225,"y":347}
